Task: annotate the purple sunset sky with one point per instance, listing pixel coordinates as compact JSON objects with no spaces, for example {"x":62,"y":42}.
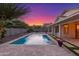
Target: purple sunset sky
{"x":46,"y":12}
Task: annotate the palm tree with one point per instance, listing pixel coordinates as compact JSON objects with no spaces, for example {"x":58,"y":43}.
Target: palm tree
{"x":9,"y":11}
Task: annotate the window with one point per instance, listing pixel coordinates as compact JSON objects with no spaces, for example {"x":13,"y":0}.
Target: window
{"x":56,"y":29}
{"x":77,"y":26}
{"x":66,"y":27}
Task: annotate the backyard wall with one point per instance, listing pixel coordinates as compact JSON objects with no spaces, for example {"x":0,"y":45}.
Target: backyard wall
{"x":14,"y":31}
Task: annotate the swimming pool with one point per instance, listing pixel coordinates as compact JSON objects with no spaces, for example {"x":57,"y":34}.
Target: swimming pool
{"x":34,"y":39}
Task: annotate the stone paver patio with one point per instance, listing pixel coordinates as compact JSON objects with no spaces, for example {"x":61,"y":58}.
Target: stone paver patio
{"x":33,"y":50}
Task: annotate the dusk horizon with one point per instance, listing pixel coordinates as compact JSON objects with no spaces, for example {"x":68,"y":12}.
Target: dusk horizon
{"x":43,"y":13}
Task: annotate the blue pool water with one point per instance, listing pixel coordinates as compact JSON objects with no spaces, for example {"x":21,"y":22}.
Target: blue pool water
{"x":20,"y":41}
{"x":42,"y":38}
{"x":47,"y":39}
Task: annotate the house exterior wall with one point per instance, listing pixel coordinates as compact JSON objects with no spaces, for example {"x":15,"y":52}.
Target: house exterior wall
{"x":70,"y":18}
{"x":71,"y":31}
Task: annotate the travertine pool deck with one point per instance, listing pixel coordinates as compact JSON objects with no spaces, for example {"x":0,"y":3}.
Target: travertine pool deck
{"x":33,"y":50}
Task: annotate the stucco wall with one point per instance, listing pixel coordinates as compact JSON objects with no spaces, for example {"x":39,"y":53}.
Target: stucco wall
{"x":14,"y":31}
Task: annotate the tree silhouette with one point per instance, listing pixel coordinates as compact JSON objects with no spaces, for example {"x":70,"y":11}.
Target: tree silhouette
{"x":9,"y":11}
